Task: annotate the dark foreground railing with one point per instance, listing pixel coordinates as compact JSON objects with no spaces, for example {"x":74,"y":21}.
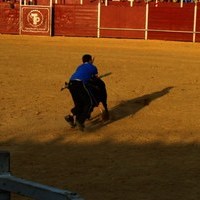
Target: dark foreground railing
{"x":10,"y":183}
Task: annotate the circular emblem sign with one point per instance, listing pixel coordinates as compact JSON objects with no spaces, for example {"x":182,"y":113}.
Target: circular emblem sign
{"x":35,"y":18}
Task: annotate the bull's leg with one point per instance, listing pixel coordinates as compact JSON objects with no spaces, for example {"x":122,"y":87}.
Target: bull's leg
{"x":105,"y":114}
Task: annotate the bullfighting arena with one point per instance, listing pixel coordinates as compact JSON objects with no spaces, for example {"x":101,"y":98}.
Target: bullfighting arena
{"x":149,"y":150}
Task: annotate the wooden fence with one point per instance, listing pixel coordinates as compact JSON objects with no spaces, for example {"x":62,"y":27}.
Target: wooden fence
{"x":116,"y":19}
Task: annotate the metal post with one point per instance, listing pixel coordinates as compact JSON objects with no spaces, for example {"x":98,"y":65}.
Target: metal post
{"x":99,"y":20}
{"x":4,"y":169}
{"x":195,"y":22}
{"x":181,"y":3}
{"x":131,"y":3}
{"x":20,"y":11}
{"x":50,"y":16}
{"x":146,"y":20}
{"x":156,"y":3}
{"x":4,"y":162}
{"x":106,"y":2}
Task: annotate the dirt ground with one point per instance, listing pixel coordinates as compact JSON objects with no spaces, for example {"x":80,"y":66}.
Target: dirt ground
{"x":149,"y":150}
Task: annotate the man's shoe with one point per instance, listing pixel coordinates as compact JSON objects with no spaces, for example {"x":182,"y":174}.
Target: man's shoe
{"x":70,"y":120}
{"x":105,"y":116}
{"x":80,"y":126}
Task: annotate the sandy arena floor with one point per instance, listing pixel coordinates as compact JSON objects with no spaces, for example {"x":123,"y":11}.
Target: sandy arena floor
{"x":150,"y":148}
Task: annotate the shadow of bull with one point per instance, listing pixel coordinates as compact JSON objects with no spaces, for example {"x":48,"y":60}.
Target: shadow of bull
{"x":127,"y":108}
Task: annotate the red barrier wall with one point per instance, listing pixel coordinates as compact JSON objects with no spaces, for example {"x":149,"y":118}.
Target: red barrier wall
{"x":75,"y":20}
{"x":170,"y":16}
{"x":125,"y":17}
{"x":166,"y":21}
{"x":9,"y":19}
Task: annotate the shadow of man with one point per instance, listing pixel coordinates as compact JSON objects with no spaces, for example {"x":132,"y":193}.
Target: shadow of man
{"x":127,"y":108}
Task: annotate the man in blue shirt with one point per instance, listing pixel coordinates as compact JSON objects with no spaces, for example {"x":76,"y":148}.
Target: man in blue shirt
{"x":83,"y":102}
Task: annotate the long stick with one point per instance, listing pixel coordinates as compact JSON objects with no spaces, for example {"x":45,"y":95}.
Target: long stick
{"x":104,"y":75}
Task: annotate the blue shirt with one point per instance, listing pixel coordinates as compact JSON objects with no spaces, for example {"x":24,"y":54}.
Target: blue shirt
{"x":84,"y":72}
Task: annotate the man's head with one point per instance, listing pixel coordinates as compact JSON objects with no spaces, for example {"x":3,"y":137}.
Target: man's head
{"x":87,"y":58}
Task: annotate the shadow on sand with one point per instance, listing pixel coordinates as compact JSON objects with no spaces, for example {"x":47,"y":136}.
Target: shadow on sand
{"x":109,"y":170}
{"x":126,"y":108}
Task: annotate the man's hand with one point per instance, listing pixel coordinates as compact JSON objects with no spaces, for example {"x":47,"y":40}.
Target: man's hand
{"x":62,"y":88}
{"x":65,"y":86}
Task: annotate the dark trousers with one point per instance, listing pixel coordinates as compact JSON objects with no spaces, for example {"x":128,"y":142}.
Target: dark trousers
{"x":82,"y":100}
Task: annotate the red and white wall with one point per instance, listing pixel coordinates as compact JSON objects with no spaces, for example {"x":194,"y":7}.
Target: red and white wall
{"x":92,"y":18}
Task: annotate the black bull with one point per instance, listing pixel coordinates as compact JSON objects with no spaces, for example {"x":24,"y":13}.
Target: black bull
{"x":98,"y":92}
{"x":97,"y":89}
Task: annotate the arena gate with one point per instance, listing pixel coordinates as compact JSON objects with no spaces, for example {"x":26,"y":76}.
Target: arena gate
{"x":102,"y":18}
